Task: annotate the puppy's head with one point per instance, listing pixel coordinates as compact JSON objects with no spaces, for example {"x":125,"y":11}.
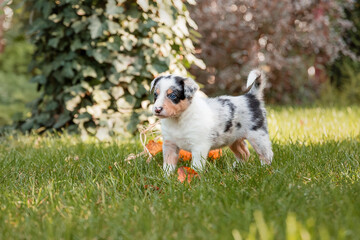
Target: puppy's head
{"x":172,"y":95}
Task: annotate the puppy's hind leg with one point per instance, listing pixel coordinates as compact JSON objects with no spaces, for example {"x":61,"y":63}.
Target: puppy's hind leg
{"x":240,"y":150}
{"x":261,"y":143}
{"x":171,"y":156}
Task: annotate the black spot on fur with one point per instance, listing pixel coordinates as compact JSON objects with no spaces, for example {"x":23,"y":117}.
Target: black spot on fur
{"x":214,"y":136}
{"x":258,"y":82}
{"x":179,"y":95}
{"x":188,"y":90}
{"x":157,"y":80}
{"x":227,"y":103}
{"x":257,"y":114}
{"x":155,"y":96}
{"x":264,"y":128}
{"x":238,"y":125}
{"x":179,"y":80}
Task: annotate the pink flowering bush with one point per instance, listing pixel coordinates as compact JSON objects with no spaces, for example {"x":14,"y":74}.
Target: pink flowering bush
{"x":291,"y":40}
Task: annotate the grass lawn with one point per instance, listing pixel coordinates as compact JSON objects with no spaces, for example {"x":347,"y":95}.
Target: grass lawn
{"x":58,"y":187}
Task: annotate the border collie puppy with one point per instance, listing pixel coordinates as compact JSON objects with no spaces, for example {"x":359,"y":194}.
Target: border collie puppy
{"x":197,"y":124}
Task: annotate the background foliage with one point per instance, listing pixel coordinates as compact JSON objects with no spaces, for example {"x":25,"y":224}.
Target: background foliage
{"x":345,"y":72}
{"x":94,"y":60}
{"x":291,"y":40}
{"x":16,"y":92}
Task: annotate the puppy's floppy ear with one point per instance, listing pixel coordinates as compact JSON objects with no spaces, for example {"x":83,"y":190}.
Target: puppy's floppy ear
{"x":190,"y":87}
{"x":154,"y":82}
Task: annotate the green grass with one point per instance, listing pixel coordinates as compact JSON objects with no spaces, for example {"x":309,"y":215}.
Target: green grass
{"x":58,"y":187}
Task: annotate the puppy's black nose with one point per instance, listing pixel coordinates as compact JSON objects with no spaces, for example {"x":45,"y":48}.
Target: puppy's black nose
{"x":158,"y":109}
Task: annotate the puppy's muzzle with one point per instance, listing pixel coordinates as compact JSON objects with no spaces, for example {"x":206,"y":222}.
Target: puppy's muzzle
{"x":158,"y":109}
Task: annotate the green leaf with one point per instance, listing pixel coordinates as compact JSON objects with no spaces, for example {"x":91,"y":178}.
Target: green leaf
{"x":103,"y":134}
{"x":113,"y":27}
{"x":158,"y":39}
{"x":114,"y":43}
{"x":165,"y":16}
{"x":55,"y":17}
{"x":89,"y":72}
{"x":43,"y":118}
{"x":46,"y":8}
{"x":126,"y":103}
{"x":67,"y":71}
{"x":53,"y":42}
{"x":114,"y":78}
{"x":40,"y":79}
{"x":29,"y":123}
{"x":101,"y":96}
{"x":76,"y":44}
{"x":51,"y":106}
{"x":112,"y":9}
{"x":126,"y":79}
{"x":128,"y":44}
{"x":117,"y":92}
{"x":83,"y":117}
{"x":72,"y":103}
{"x":95,"y":27}
{"x":133,"y":87}
{"x":144,"y":4}
{"x":160,"y":66}
{"x":120,"y":66}
{"x":134,"y":121}
{"x":133,"y":25}
{"x":62,"y":120}
{"x":101,"y":55}
{"x":78,"y":26}
{"x":179,"y":5}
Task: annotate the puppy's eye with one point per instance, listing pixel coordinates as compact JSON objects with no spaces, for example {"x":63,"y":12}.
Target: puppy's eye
{"x":155,"y":95}
{"x":172,"y":96}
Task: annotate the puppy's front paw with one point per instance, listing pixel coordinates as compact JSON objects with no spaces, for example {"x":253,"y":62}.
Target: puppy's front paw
{"x":169,"y":169}
{"x":197,"y":166}
{"x":267,"y":159}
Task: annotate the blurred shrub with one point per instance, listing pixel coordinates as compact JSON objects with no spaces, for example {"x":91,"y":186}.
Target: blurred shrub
{"x":291,"y":40}
{"x":94,"y":60}
{"x":16,"y":56}
{"x":15,"y":89}
{"x":345,"y":71}
{"x":16,"y":92}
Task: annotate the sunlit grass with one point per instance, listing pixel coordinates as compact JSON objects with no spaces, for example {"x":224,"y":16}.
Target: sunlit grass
{"x":313,"y":125}
{"x":60,"y":187}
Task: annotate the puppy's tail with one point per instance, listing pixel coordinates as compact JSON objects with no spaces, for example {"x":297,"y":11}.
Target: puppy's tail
{"x":256,"y":83}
